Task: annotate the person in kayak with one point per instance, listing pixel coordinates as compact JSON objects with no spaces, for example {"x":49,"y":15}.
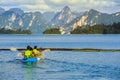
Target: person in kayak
{"x":36,"y":52}
{"x":32,"y":53}
{"x":28,"y":52}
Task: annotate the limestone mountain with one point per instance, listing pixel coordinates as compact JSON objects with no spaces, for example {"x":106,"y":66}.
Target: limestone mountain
{"x":93,"y":17}
{"x":15,"y":19}
{"x":63,"y":17}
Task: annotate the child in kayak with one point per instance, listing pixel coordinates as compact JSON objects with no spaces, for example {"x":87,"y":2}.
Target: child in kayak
{"x":37,"y":53}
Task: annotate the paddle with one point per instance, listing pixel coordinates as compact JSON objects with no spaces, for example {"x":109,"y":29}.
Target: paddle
{"x":21,"y":54}
{"x":46,"y":50}
{"x":15,"y":49}
{"x":42,"y":57}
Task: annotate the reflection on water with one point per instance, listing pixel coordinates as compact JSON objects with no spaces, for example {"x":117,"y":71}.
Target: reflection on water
{"x":61,"y":65}
{"x":28,"y":71}
{"x":27,"y":68}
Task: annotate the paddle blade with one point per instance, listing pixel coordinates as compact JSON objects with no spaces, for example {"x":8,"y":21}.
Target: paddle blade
{"x":20,"y":54}
{"x":13,"y":49}
{"x":47,"y":50}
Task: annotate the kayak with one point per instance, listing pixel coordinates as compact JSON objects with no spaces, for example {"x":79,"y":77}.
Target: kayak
{"x":33,"y":59}
{"x":29,"y":60}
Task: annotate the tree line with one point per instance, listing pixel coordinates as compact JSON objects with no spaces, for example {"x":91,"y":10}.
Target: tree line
{"x":17,"y":31}
{"x":95,"y":29}
{"x":52,"y":31}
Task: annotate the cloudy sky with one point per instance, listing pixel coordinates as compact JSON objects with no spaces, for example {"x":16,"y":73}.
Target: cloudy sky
{"x":107,"y":6}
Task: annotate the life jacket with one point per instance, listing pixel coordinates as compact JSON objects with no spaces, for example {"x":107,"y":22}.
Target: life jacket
{"x":27,"y":54}
{"x":35,"y":51}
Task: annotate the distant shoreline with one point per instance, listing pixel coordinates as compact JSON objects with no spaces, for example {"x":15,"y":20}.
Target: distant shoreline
{"x":72,"y":49}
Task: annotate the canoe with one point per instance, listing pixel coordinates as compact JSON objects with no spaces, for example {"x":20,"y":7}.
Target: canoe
{"x":29,"y":60}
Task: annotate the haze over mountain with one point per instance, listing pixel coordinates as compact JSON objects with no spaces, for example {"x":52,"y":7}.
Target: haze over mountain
{"x":2,"y":10}
{"x":66,"y":19}
{"x":48,"y":16}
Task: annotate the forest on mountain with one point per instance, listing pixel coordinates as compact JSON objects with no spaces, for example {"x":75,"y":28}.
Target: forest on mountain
{"x":52,"y":31}
{"x":98,"y":29}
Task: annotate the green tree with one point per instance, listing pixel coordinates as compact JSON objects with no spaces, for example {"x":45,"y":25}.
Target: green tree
{"x":52,"y":31}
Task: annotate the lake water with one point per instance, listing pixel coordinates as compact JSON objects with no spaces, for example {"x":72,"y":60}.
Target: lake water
{"x":61,"y":65}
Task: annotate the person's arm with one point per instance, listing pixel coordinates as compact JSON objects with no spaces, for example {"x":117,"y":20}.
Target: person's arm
{"x":38,"y":52}
{"x":20,"y":54}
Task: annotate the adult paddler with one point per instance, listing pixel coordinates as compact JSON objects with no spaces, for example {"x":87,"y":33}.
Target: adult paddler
{"x":27,"y":53}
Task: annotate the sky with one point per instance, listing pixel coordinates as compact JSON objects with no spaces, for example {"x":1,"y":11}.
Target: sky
{"x":106,"y":6}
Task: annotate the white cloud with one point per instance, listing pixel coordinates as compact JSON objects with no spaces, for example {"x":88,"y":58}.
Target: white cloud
{"x":27,"y":5}
{"x":48,"y":5}
{"x":81,"y":3}
{"x":38,"y":5}
{"x":35,"y":5}
{"x":7,"y":4}
{"x":1,"y":1}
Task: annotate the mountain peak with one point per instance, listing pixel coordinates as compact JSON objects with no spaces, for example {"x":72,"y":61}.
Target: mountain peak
{"x":93,"y":11}
{"x":66,"y":9}
{"x":63,"y":17}
{"x":17,"y":11}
